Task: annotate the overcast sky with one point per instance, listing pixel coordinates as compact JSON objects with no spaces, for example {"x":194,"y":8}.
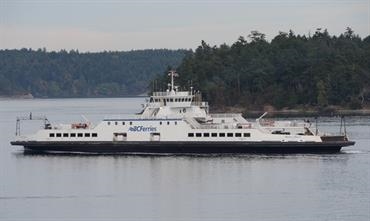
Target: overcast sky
{"x":125,"y":25}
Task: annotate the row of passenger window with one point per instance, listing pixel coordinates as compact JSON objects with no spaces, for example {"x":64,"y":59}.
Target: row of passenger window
{"x":173,"y":100}
{"x":219,"y":134}
{"x":116,"y":123}
{"x":73,"y":134}
{"x":123,"y":123}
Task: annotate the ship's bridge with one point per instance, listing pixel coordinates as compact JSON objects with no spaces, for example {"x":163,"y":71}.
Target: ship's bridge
{"x":171,"y":99}
{"x":175,"y":103}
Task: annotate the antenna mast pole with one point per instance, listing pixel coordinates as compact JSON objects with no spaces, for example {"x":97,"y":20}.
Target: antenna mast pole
{"x":172,"y":73}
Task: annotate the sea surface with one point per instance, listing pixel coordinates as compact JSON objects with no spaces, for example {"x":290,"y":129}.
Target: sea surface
{"x":117,"y":187}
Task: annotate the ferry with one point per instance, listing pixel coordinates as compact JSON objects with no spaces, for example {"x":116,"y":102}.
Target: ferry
{"x":179,"y":122}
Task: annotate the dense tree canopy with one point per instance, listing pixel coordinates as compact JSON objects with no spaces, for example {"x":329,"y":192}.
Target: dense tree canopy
{"x":289,"y":71}
{"x":74,"y":74}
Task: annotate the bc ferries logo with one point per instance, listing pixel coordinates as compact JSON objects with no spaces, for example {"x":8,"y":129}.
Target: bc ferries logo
{"x":142,"y":129}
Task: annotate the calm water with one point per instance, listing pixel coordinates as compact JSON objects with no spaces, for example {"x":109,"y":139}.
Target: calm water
{"x":248,"y":187}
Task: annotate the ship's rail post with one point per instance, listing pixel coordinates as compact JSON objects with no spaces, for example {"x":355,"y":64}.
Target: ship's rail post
{"x":343,"y":126}
{"x":18,"y":127}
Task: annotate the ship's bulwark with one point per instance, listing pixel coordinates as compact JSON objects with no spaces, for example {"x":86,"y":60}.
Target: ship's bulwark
{"x":186,"y":147}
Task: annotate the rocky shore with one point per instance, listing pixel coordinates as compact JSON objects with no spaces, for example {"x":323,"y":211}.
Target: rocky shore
{"x":18,"y":96}
{"x":309,"y":112}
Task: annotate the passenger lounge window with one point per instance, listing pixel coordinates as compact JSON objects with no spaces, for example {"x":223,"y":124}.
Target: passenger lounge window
{"x":222,"y":134}
{"x":59,"y":135}
{"x":206,"y":135}
{"x":198,"y":134}
{"x":65,"y":135}
{"x":214,"y":134}
{"x":51,"y":135}
{"x":79,"y":135}
{"x":73,"y":135}
{"x":238,"y":135}
{"x":94,"y":135}
{"x":87,"y":134}
{"x":230,"y":134}
{"x":246,"y":134}
{"x":190,"y":134}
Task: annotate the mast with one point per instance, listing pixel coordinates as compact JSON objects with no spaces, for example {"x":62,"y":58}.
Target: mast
{"x":172,"y":73}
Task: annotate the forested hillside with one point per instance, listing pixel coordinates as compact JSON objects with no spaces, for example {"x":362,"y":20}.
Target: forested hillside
{"x":290,"y":71}
{"x":74,"y":74}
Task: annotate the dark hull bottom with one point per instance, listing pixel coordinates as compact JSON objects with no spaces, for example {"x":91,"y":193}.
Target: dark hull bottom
{"x":185,"y":147}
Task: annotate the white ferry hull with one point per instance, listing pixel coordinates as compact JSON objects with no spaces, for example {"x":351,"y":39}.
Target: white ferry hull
{"x":162,"y":147}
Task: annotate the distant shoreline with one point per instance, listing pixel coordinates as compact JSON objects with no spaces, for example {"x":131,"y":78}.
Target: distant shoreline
{"x":300,"y":113}
{"x":329,"y":112}
{"x":16,"y":97}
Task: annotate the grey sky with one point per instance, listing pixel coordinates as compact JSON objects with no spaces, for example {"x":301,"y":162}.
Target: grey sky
{"x":124,"y":25}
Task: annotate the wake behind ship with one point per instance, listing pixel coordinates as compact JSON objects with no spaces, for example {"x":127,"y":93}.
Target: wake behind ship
{"x":177,"y":121}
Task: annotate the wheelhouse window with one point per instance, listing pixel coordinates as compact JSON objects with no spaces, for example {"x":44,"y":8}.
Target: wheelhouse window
{"x":198,"y":134}
{"x":59,"y":135}
{"x":51,"y":135}
{"x":190,"y":134}
{"x":205,"y":134}
{"x":246,"y":135}
{"x":94,"y":135}
{"x":221,"y":134}
{"x":73,"y":135}
{"x":65,"y":135}
{"x":230,"y":134}
{"x":214,"y":134}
